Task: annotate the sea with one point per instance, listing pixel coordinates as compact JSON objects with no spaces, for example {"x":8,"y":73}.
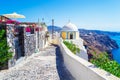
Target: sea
{"x":116,"y":52}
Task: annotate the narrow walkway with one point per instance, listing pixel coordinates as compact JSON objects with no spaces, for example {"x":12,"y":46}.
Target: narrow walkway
{"x":46,"y":65}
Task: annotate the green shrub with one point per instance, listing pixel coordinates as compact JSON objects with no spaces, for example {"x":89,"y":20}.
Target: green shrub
{"x":102,"y":60}
{"x":72,"y":47}
{"x":5,"y":55}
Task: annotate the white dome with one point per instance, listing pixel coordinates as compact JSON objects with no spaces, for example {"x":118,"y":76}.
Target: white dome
{"x":70,"y":27}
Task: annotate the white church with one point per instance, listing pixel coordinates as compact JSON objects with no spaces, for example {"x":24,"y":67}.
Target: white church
{"x":70,"y":32}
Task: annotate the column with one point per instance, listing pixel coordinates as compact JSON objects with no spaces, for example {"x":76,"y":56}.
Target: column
{"x":66,"y":35}
{"x":74,"y":35}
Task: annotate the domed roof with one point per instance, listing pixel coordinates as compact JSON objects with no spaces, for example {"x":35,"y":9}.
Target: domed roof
{"x":70,"y":27}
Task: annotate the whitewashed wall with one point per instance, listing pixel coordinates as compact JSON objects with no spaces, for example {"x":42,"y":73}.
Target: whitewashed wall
{"x":79,"y":43}
{"x":82,"y":69}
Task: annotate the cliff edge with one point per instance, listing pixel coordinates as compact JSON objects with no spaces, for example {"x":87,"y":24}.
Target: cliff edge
{"x":98,"y":43}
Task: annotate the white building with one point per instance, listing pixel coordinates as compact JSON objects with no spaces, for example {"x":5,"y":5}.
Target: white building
{"x":70,"y":32}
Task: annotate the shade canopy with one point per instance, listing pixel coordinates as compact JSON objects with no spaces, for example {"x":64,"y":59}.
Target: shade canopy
{"x":14,"y":15}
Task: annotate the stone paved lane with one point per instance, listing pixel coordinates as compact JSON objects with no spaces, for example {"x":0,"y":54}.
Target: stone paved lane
{"x":46,"y":65}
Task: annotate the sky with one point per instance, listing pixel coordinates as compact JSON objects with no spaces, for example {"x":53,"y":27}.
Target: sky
{"x":87,"y":14}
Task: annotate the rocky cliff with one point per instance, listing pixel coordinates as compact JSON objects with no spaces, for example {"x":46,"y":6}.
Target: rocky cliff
{"x":98,"y":43}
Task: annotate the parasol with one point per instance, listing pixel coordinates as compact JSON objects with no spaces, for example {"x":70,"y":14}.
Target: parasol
{"x":14,"y":15}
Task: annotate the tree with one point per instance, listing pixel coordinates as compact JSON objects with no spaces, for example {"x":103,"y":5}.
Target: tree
{"x":5,"y":54}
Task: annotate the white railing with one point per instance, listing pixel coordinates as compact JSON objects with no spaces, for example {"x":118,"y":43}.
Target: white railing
{"x":82,"y":69}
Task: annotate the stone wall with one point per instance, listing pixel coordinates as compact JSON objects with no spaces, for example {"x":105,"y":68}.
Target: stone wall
{"x":24,"y":43}
{"x":20,"y":43}
{"x":11,"y":42}
{"x":37,"y":40}
{"x":29,"y":44}
{"x":10,"y":37}
{"x":27,"y":41}
{"x":41,"y":40}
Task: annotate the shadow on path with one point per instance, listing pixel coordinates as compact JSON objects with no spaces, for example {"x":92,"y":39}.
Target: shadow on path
{"x":63,"y":73}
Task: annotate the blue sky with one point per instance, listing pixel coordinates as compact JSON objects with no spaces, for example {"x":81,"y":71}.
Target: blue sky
{"x":88,"y":14}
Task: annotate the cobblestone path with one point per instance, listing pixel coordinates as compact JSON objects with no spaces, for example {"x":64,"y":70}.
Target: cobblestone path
{"x":45,"y":65}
